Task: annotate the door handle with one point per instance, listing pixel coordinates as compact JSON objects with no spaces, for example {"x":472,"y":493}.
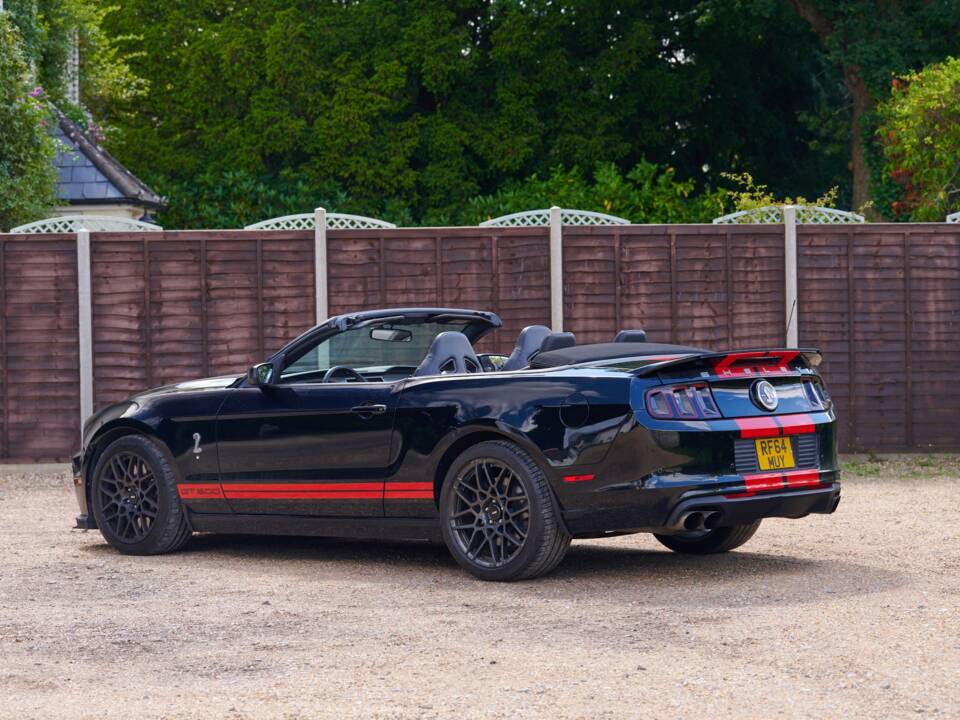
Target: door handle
{"x":369,"y":409}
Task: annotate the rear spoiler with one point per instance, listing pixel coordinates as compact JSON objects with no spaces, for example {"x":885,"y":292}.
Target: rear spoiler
{"x":740,"y":363}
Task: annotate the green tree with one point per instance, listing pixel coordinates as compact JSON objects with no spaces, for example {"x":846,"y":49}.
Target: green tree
{"x":920,"y":133}
{"x":409,"y":108}
{"x":646,"y":194}
{"x":27,"y":177}
{"x":871,"y":41}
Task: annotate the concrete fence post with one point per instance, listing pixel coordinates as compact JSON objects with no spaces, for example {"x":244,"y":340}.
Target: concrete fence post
{"x":556,"y":269}
{"x":85,"y":324}
{"x":320,"y":263}
{"x":790,"y":274}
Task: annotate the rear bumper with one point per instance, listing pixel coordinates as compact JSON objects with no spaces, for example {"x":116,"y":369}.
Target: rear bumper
{"x":745,"y":510}
{"x":735,"y":509}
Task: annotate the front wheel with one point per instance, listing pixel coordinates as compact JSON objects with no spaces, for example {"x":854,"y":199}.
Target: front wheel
{"x":499,"y":519}
{"x":707,"y":542}
{"x":135,"y":500}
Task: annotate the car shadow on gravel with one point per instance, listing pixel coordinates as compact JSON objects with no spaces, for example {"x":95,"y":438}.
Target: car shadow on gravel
{"x":589,"y":566}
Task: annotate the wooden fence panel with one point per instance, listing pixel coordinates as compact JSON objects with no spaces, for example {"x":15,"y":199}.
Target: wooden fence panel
{"x":881,"y":301}
{"x":39,"y":347}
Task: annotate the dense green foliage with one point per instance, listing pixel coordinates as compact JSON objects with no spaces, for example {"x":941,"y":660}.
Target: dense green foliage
{"x":920,"y":132}
{"x":421,"y":111}
{"x":26,"y":150}
{"x":646,"y":194}
{"x":870,"y":41}
{"x":48,"y":29}
{"x":416,"y":110}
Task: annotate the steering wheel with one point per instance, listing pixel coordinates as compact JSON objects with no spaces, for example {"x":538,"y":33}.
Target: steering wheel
{"x":330,"y":374}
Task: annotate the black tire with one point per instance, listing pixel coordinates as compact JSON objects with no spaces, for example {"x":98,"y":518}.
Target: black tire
{"x":135,"y":500}
{"x":515,"y":544}
{"x":707,"y":542}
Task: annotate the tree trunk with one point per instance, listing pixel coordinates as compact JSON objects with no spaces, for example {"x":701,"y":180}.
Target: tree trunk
{"x":862,"y":103}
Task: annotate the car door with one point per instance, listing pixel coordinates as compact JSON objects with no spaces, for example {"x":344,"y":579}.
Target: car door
{"x":319,"y":449}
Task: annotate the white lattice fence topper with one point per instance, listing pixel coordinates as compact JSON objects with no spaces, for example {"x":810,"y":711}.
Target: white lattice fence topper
{"x":306,"y":221}
{"x":539,"y":218}
{"x":93,"y":223}
{"x":773,"y":215}
{"x":953,"y":217}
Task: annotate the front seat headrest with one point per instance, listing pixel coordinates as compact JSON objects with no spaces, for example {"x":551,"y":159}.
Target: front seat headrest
{"x":556,"y":341}
{"x":450,"y":352}
{"x":631,"y":336}
{"x":528,"y":344}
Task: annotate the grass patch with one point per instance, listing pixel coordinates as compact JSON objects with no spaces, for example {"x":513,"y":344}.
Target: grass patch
{"x":914,"y":466}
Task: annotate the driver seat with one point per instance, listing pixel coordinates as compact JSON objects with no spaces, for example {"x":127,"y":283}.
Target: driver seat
{"x":449,"y":353}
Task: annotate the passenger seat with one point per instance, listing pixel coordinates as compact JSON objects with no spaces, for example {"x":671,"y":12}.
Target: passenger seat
{"x":528,"y":344}
{"x":631,"y":336}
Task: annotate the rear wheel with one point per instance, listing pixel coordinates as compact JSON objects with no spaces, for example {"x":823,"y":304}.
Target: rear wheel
{"x":499,"y":518}
{"x":135,"y":500}
{"x":706,"y":542}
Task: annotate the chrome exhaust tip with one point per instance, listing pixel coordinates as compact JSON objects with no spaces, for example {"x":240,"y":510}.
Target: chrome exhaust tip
{"x":692,"y":520}
{"x":711,"y":520}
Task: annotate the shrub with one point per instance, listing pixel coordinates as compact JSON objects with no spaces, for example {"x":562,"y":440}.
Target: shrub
{"x":920,"y":132}
{"x":27,"y":177}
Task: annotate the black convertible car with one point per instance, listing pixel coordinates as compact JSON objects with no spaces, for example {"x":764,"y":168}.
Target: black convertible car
{"x":388,"y":424}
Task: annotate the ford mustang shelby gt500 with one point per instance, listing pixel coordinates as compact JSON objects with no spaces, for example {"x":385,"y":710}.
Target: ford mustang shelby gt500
{"x":388,"y":424}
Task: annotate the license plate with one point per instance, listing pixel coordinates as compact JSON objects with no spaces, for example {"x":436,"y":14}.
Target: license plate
{"x":775,"y":453}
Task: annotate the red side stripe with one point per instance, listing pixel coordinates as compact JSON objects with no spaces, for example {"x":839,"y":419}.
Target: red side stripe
{"x":292,"y":495}
{"x":302,"y":487}
{"x":409,"y":486}
{"x":757,"y":427}
{"x":200,"y":491}
{"x":409,"y":495}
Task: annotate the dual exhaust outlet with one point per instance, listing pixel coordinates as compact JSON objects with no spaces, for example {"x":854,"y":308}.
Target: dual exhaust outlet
{"x":700,"y":520}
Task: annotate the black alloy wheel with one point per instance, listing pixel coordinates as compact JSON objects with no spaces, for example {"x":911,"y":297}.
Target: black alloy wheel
{"x":129,"y":496}
{"x":499,"y":518}
{"x":491,"y":513}
{"x":134,"y":498}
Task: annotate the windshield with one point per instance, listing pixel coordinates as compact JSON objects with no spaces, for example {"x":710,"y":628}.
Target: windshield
{"x":371,"y":348}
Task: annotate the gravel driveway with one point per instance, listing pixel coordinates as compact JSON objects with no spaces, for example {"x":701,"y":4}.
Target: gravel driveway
{"x":856,"y":614}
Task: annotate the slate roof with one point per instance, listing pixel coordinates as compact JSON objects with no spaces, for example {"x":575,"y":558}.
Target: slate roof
{"x":88,"y":174}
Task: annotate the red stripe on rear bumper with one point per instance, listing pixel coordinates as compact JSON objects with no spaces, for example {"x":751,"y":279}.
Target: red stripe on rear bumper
{"x":802,"y":478}
{"x":769,"y":482}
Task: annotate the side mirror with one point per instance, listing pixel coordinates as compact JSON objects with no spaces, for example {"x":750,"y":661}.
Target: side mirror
{"x":261,"y":375}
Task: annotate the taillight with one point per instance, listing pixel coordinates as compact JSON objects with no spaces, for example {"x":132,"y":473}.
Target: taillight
{"x":681,"y":402}
{"x":816,"y":394}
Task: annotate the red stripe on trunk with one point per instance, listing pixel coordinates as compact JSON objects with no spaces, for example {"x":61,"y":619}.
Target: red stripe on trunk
{"x":757,"y":427}
{"x":796,"y":424}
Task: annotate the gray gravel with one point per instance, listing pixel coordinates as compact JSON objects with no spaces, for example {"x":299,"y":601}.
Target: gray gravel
{"x":853,"y":615}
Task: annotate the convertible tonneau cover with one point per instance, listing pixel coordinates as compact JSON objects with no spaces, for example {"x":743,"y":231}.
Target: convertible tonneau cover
{"x":661,"y":356}
{"x":609,"y":351}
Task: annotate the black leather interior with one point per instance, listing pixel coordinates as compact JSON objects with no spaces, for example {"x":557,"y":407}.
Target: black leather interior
{"x":528,"y":345}
{"x":450,"y":352}
{"x":633,"y":336}
{"x":558,"y":341}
